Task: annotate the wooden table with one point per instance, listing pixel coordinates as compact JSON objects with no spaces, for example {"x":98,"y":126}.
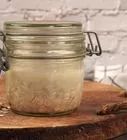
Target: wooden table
{"x":83,"y":124}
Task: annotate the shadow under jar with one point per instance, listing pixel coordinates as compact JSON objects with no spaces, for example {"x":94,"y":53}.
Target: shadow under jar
{"x":45,"y":72}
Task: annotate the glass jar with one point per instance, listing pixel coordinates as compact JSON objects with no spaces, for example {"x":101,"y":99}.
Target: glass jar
{"x":45,"y":75}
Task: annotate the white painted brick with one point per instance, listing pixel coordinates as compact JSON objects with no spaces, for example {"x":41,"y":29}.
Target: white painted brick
{"x":3,"y":4}
{"x":123,"y":4}
{"x":108,"y":59}
{"x":110,"y":12}
{"x":39,"y":15}
{"x":108,"y":23}
{"x":34,"y":14}
{"x":78,"y":17}
{"x":10,"y":17}
{"x":108,"y":43}
{"x":118,"y":58}
{"x":118,"y":33}
{"x":92,"y":4}
{"x":37,"y":4}
{"x":22,"y":4}
{"x":50,"y":4}
{"x":123,"y":47}
{"x":7,"y":11}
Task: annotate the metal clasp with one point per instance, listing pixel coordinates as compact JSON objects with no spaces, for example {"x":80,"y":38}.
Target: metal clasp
{"x":91,"y":48}
{"x":4,"y":65}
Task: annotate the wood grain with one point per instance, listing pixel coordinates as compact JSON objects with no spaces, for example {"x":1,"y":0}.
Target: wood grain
{"x":83,"y":124}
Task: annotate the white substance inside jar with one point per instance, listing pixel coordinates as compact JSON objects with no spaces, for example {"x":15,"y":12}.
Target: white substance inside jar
{"x":44,"y":86}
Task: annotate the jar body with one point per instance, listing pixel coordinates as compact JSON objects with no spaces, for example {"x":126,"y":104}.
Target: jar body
{"x":44,"y":86}
{"x":46,"y":67}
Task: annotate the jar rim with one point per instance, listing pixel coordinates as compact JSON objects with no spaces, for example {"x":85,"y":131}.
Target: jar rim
{"x":43,"y":24}
{"x":42,"y":28}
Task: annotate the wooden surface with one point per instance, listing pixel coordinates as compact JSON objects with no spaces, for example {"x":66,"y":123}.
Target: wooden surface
{"x":83,"y":124}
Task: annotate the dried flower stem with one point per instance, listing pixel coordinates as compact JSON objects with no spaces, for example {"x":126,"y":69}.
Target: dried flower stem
{"x":113,"y":108}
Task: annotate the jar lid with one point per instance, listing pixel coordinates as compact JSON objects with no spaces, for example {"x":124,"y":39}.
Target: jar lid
{"x":42,"y":28}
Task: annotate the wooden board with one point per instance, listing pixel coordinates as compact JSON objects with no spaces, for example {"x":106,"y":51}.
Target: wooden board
{"x":83,"y":124}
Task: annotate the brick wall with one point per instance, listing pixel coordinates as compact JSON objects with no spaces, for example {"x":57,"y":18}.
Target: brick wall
{"x":107,"y":17}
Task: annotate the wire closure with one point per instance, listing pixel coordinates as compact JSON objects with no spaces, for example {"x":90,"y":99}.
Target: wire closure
{"x":91,"y":48}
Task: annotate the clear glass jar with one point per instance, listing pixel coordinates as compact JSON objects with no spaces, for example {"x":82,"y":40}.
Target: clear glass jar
{"x":46,"y":67}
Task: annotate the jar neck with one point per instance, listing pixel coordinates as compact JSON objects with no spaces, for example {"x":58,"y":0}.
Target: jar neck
{"x":47,"y":51}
